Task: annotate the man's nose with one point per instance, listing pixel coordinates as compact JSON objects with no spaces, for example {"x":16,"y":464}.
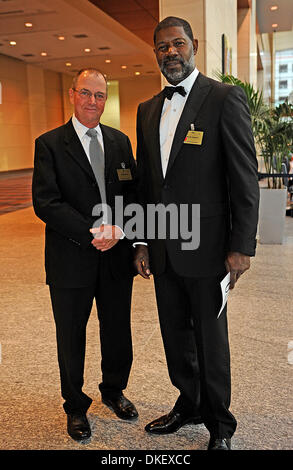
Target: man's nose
{"x":172,"y":50}
{"x":92,"y":99}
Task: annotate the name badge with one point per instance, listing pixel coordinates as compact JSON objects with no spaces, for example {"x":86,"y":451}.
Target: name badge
{"x":124,"y":174}
{"x":194,"y":137}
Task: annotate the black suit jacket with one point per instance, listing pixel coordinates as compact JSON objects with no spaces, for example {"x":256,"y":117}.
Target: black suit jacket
{"x":65,"y":192}
{"x":220,"y":175}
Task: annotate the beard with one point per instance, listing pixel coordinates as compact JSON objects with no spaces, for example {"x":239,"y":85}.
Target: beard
{"x":187,"y":66}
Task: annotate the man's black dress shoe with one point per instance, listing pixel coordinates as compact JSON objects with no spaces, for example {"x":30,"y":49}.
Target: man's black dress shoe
{"x":170,"y":423}
{"x":78,"y":426}
{"x":121,"y":406}
{"x":219,"y":444}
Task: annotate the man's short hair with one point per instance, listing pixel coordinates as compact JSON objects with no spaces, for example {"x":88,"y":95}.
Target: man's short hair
{"x":91,"y":70}
{"x":174,"y":21}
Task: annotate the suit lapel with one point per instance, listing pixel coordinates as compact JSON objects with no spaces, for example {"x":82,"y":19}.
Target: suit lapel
{"x":76,"y":150}
{"x":196,"y":97}
{"x":152,"y":132}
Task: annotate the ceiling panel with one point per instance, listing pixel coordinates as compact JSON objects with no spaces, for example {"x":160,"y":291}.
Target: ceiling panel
{"x":83,"y":26}
{"x":139,"y":16}
{"x":283,"y":16}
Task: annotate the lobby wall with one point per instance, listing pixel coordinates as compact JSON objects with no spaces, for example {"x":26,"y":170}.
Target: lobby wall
{"x":31,"y":104}
{"x":133,"y":91}
{"x":15,"y":128}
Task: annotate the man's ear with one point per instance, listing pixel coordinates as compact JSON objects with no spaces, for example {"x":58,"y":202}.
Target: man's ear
{"x":195,"y":46}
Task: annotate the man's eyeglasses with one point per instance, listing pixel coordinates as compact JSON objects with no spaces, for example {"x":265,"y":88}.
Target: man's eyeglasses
{"x":87,"y":94}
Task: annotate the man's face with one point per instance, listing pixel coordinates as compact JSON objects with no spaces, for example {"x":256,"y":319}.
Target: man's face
{"x":175,"y":53}
{"x":88,"y":109}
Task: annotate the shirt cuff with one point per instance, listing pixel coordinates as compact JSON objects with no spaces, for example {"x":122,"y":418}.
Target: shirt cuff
{"x":123,"y":234}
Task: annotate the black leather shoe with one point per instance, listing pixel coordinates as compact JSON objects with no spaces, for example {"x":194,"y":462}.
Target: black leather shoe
{"x":121,"y":406}
{"x":219,"y":444}
{"x":170,"y":423}
{"x":78,"y":426}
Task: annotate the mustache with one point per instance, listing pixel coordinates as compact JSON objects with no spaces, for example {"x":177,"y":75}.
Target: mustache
{"x":176,"y":60}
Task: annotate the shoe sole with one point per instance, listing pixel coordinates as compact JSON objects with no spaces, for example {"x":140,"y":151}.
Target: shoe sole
{"x":117,"y":414}
{"x":188,"y":421}
{"x":78,"y":439}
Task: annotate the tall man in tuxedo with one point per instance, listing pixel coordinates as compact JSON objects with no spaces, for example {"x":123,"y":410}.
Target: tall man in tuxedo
{"x":77,"y":167}
{"x":195,"y":146}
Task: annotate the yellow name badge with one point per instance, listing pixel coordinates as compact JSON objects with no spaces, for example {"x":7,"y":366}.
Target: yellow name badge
{"x":124,"y":174}
{"x":194,"y":137}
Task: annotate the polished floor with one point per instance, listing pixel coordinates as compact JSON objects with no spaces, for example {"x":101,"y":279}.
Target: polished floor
{"x":261,"y":338}
{"x":15,"y":190}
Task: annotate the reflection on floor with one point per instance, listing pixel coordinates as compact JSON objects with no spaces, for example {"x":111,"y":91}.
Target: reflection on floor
{"x":15,"y":190}
{"x":260,"y":326}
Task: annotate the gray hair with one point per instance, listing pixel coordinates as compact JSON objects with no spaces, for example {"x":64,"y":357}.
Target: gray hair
{"x":92,"y":71}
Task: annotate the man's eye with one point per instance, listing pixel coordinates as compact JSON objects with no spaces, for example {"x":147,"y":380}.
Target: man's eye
{"x":179,"y":44}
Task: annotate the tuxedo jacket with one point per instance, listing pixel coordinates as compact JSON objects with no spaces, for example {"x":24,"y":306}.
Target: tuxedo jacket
{"x":220,"y":175}
{"x":65,"y":192}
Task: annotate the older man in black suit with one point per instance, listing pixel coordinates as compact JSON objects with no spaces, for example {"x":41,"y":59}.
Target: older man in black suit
{"x":77,"y":168}
{"x":195,"y":147}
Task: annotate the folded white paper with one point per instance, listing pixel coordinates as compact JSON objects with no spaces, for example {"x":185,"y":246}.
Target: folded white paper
{"x":225,"y":285}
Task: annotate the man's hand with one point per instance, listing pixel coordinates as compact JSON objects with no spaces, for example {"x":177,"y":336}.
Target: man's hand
{"x":236,"y":264}
{"x":106,"y":236}
{"x":141,"y":261}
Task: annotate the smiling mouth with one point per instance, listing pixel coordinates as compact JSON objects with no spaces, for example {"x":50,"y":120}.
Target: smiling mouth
{"x":172,"y":63}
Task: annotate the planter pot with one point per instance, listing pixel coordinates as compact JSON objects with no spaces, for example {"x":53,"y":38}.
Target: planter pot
{"x":272,"y":214}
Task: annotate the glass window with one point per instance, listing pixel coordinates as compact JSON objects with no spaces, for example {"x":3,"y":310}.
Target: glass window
{"x":283,"y":68}
{"x":283,"y":84}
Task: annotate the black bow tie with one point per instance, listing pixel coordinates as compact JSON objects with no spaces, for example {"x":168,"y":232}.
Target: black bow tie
{"x":170,"y":90}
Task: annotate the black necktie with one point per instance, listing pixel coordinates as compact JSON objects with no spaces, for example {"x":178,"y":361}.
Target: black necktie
{"x":170,"y":90}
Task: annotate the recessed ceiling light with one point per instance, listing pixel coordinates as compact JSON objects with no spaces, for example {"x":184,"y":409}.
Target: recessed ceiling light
{"x":108,"y":61}
{"x":68,"y":64}
{"x":274,"y":7}
{"x":87,"y":49}
{"x":137,"y":73}
{"x":28,"y":25}
{"x":124,"y":66}
{"x":44,"y":54}
{"x":274,"y":25}
{"x":12,"y":43}
{"x":61,"y":38}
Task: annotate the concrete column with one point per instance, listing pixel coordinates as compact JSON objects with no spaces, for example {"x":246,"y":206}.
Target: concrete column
{"x":247,"y":44}
{"x":209,"y":20}
{"x":36,"y":101}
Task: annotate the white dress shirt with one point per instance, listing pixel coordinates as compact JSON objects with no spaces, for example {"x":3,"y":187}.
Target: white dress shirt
{"x":171,"y":113}
{"x":85,"y":139}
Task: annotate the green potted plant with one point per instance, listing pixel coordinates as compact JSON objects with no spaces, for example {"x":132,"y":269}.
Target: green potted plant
{"x":273,"y":133}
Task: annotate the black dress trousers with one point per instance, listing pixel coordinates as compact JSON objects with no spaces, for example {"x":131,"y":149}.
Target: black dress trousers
{"x":197,"y":348}
{"x":71,"y":309}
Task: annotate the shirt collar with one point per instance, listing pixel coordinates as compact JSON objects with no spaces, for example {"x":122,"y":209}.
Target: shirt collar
{"x":81,"y":130}
{"x":188,"y":82}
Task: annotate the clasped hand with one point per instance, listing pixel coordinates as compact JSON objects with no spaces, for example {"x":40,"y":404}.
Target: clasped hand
{"x":106,"y":236}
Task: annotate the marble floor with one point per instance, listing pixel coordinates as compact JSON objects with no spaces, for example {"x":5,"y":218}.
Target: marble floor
{"x":261,"y":339}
